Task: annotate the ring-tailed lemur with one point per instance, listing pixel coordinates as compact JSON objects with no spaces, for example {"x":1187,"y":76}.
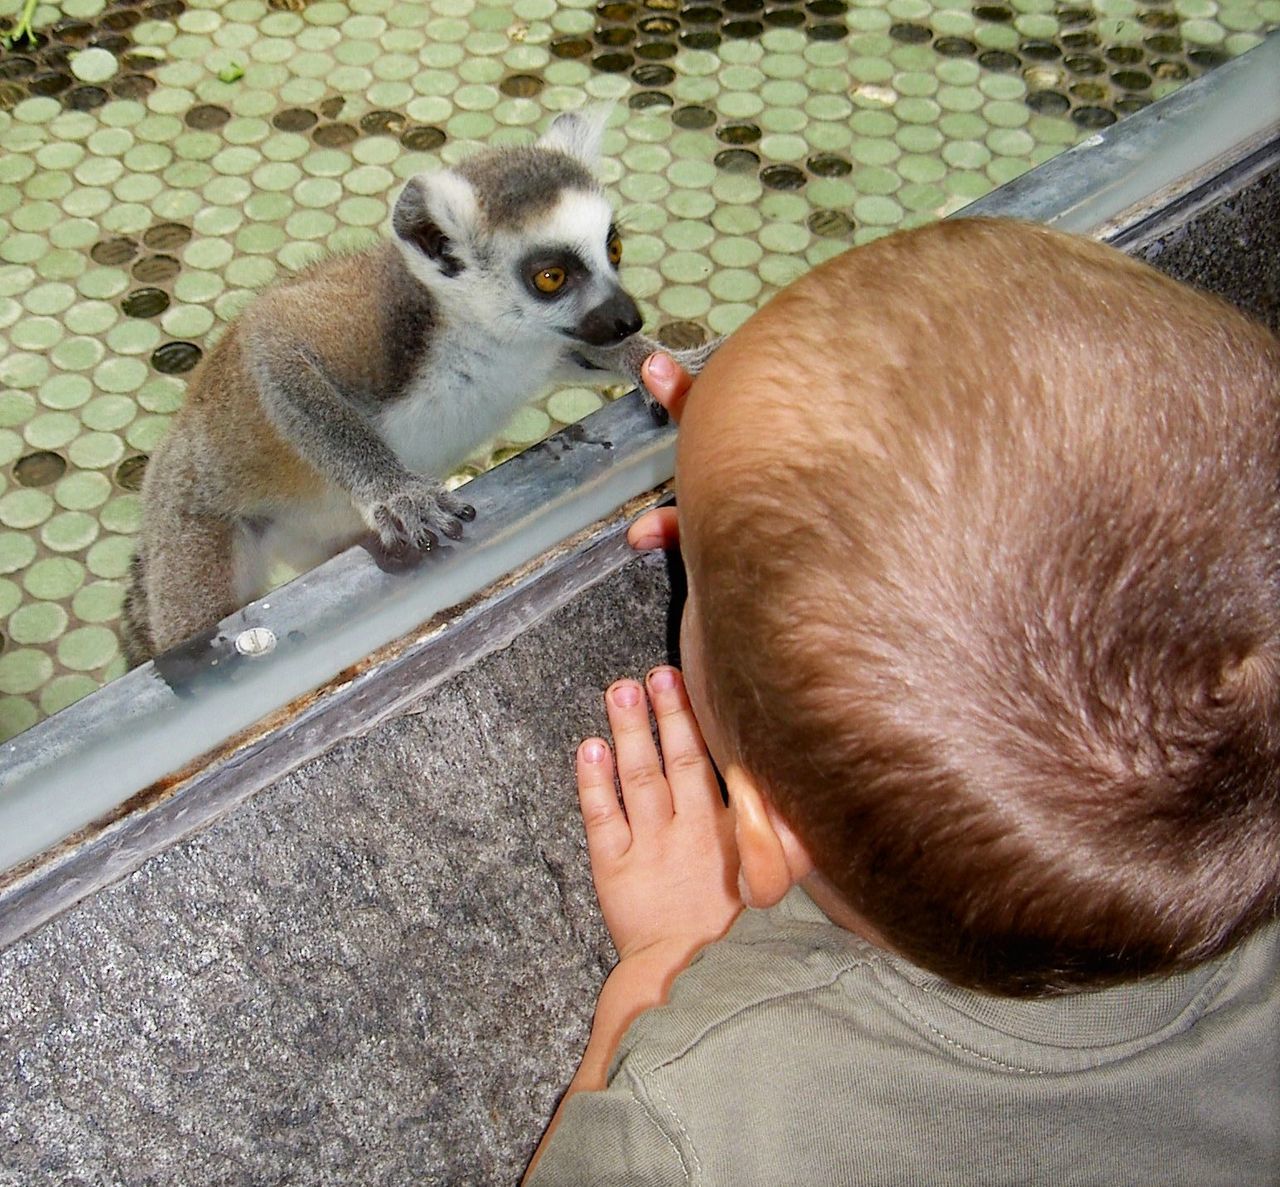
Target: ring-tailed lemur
{"x":341,"y":397}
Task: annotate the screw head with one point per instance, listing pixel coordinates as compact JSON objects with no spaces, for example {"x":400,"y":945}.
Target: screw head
{"x":256,"y":641}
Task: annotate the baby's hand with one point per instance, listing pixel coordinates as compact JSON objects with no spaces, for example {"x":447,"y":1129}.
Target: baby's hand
{"x":664,"y":861}
{"x":669,"y":383}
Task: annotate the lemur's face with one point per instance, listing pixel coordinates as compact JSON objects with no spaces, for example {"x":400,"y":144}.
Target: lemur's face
{"x":567,"y":267}
{"x":522,"y":241}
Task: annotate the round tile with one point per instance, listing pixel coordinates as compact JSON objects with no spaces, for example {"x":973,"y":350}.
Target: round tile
{"x":24,"y":670}
{"x":62,"y":691}
{"x":87,"y":648}
{"x":53,"y":578}
{"x":572,"y":404}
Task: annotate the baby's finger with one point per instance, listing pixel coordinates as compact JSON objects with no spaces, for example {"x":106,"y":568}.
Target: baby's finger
{"x":684,"y":754}
{"x":645,"y":793}
{"x":658,"y":528}
{"x":667,"y":381}
{"x":608,"y":833}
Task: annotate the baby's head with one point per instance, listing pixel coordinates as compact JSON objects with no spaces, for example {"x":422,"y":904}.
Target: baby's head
{"x":983,"y":535}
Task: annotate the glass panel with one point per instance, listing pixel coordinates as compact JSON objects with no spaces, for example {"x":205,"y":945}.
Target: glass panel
{"x":159,"y":165}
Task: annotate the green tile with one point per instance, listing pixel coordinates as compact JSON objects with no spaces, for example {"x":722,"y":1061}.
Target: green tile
{"x":107,"y":413}
{"x":133,"y":337}
{"x":36,"y":111}
{"x":187,"y":321}
{"x":877,"y":210}
{"x":24,"y":670}
{"x":71,"y":531}
{"x":10,"y":596}
{"x":25,"y":509}
{"x":198,"y":286}
{"x":98,"y":602}
{"x":37,"y":217}
{"x":527,"y":426}
{"x":16,"y":408}
{"x":161,"y":394}
{"x":53,"y":578}
{"x":121,"y":514}
{"x":145,"y":433}
{"x":62,"y":391}
{"x":118,"y":374}
{"x":87,"y":648}
{"x":26,"y":370}
{"x":362,"y":212}
{"x":17,"y":549}
{"x":109,"y":557}
{"x":687,"y":302}
{"x":62,"y":691}
{"x":82,"y":491}
{"x":1202,"y":32}
{"x":36,"y":333}
{"x":51,"y":430}
{"x":94,"y":451}
{"x":734,"y":284}
{"x":1006,"y":113}
{"x":251,"y":272}
{"x":16,"y":715}
{"x":781,"y":270}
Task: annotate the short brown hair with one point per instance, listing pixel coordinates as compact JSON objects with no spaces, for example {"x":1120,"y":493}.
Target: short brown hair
{"x":993,"y":610}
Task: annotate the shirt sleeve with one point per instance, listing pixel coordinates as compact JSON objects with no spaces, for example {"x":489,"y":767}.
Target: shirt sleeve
{"x":606,"y":1138}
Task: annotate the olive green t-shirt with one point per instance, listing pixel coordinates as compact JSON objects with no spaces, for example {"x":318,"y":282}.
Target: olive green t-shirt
{"x":791,"y":1052}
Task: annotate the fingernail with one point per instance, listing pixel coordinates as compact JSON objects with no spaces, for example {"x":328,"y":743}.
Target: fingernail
{"x":646,"y":543}
{"x":626,"y":694}
{"x":661,"y":366}
{"x":592,"y":750}
{"x":662,"y":679}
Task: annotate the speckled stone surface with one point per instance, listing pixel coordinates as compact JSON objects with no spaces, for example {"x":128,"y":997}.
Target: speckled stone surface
{"x":380,"y":972}
{"x":1232,"y":249}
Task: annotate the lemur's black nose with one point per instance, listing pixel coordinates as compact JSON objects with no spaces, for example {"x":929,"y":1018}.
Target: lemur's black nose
{"x":611,"y":321}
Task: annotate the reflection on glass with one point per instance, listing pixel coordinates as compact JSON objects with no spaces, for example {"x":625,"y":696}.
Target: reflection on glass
{"x":151,"y":184}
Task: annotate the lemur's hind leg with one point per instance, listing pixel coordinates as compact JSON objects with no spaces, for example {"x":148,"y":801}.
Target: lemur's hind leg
{"x":181,"y":584}
{"x":183,"y":579}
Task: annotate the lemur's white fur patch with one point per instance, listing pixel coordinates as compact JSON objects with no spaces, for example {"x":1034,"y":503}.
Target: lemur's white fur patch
{"x":470,"y":383}
{"x":452,"y":204}
{"x":465,"y":393}
{"x":581,"y":220}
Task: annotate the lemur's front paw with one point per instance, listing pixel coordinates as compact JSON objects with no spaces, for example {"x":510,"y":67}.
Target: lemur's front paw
{"x":415,"y":517}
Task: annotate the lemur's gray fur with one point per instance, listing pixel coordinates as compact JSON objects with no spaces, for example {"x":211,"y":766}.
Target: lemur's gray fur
{"x":339,"y":400}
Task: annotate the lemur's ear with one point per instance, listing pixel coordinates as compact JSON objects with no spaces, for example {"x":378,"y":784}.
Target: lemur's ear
{"x":579,"y":133}
{"x":434,"y":215}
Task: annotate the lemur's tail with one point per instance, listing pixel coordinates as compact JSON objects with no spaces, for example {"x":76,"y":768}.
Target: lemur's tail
{"x":135,"y":634}
{"x":625,"y":359}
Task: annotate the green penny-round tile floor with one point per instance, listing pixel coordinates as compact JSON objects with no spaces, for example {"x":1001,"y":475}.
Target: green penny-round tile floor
{"x":160,"y":160}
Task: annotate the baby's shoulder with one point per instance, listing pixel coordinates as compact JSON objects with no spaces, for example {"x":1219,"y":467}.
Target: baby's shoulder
{"x":763,"y":981}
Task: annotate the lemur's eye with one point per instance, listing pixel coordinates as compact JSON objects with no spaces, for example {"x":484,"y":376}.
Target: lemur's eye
{"x":549,"y":280}
{"x":615,"y":250}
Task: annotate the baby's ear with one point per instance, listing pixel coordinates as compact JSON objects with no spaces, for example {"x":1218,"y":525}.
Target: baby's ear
{"x":771,"y":857}
{"x":435,"y":218}
{"x":579,"y":133}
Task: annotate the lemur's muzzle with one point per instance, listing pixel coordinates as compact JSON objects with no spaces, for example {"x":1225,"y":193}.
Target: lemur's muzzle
{"x":613,"y":320}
